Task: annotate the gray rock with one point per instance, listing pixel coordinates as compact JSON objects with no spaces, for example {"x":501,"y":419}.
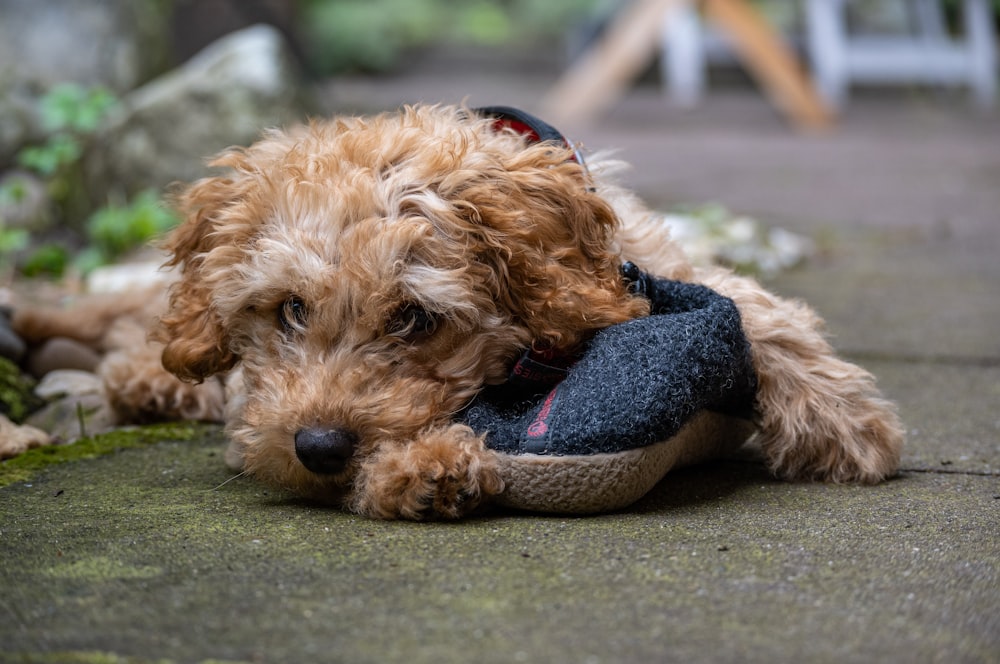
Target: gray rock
{"x":61,"y":353}
{"x":29,"y":206}
{"x":114,"y":43}
{"x":129,"y":277}
{"x":12,"y":347}
{"x":68,"y":382}
{"x":73,"y":417}
{"x":225,"y":95}
{"x":19,"y":121}
{"x":117,"y":44}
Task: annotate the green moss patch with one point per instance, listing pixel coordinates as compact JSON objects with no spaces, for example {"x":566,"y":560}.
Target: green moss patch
{"x":100,"y":568}
{"x":27,"y":465}
{"x":17,"y":392}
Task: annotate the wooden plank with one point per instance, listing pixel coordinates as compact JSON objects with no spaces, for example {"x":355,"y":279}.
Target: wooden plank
{"x":601,"y":75}
{"x":770,"y":61}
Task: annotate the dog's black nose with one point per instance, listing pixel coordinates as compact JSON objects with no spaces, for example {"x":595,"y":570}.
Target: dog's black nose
{"x":324,"y":451}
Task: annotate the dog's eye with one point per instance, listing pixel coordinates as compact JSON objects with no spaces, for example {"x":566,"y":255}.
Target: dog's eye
{"x":412,"y":322}
{"x":292,"y":314}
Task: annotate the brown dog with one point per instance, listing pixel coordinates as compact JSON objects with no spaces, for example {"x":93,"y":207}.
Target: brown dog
{"x":360,"y":280}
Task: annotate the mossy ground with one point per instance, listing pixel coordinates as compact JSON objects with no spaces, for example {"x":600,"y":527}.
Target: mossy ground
{"x":141,"y":556}
{"x":17,"y":397}
{"x":146,"y":553}
{"x":23,"y":467}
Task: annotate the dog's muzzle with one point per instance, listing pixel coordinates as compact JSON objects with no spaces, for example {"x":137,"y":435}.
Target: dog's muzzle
{"x":324,"y":451}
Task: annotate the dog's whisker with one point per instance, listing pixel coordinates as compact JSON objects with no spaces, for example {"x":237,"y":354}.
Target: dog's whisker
{"x":234,"y":477}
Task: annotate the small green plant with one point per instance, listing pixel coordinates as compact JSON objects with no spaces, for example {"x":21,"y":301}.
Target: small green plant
{"x":374,"y":35}
{"x":59,"y":151}
{"x":12,"y":240}
{"x":70,"y":107}
{"x":48,"y":260}
{"x":118,"y":228}
{"x":71,"y":115}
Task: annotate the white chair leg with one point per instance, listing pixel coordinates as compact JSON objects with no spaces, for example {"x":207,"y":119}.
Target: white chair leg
{"x":682,"y":63}
{"x":930,"y":19}
{"x":827,"y":35}
{"x":982,"y":51}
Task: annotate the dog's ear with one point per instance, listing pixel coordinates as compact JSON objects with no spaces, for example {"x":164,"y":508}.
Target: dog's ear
{"x":196,"y":342}
{"x":548,"y":239}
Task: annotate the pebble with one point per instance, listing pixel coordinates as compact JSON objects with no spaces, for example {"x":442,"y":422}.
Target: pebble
{"x":61,"y":353}
{"x":127,"y":277}
{"x":61,"y":418}
{"x":68,"y":382}
{"x":12,"y":346}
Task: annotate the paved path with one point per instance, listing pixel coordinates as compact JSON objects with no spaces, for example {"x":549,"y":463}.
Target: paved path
{"x":139,"y":555}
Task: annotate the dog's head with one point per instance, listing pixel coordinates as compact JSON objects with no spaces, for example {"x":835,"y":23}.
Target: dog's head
{"x":369,"y":276}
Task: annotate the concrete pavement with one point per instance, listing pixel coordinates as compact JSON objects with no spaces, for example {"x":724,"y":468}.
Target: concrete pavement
{"x":142,"y":556}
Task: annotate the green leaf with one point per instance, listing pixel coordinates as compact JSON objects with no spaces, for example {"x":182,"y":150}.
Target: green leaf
{"x":13,"y":191}
{"x":89,"y":259}
{"x":58,"y":151}
{"x":13,"y":239}
{"x":59,"y":105}
{"x":115,"y":229}
{"x":484,"y":23}
{"x":49,"y":260}
{"x":70,"y":107}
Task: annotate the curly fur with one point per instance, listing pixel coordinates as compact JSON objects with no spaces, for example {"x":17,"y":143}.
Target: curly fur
{"x":300,"y":269}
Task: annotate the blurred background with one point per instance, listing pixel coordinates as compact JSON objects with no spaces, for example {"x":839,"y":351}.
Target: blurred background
{"x":105,"y":103}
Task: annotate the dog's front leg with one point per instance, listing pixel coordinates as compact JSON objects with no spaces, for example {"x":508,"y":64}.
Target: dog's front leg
{"x":445,"y":473}
{"x":820,"y":417}
{"x":139,"y":389}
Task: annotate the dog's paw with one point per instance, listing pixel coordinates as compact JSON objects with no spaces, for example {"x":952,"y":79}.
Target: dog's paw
{"x":444,"y":474}
{"x":141,"y":391}
{"x":16,"y":439}
{"x":853,"y":440}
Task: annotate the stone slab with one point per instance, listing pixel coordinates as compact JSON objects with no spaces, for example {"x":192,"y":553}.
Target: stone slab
{"x":950,"y":414}
{"x":906,"y":294}
{"x":143,"y":554}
